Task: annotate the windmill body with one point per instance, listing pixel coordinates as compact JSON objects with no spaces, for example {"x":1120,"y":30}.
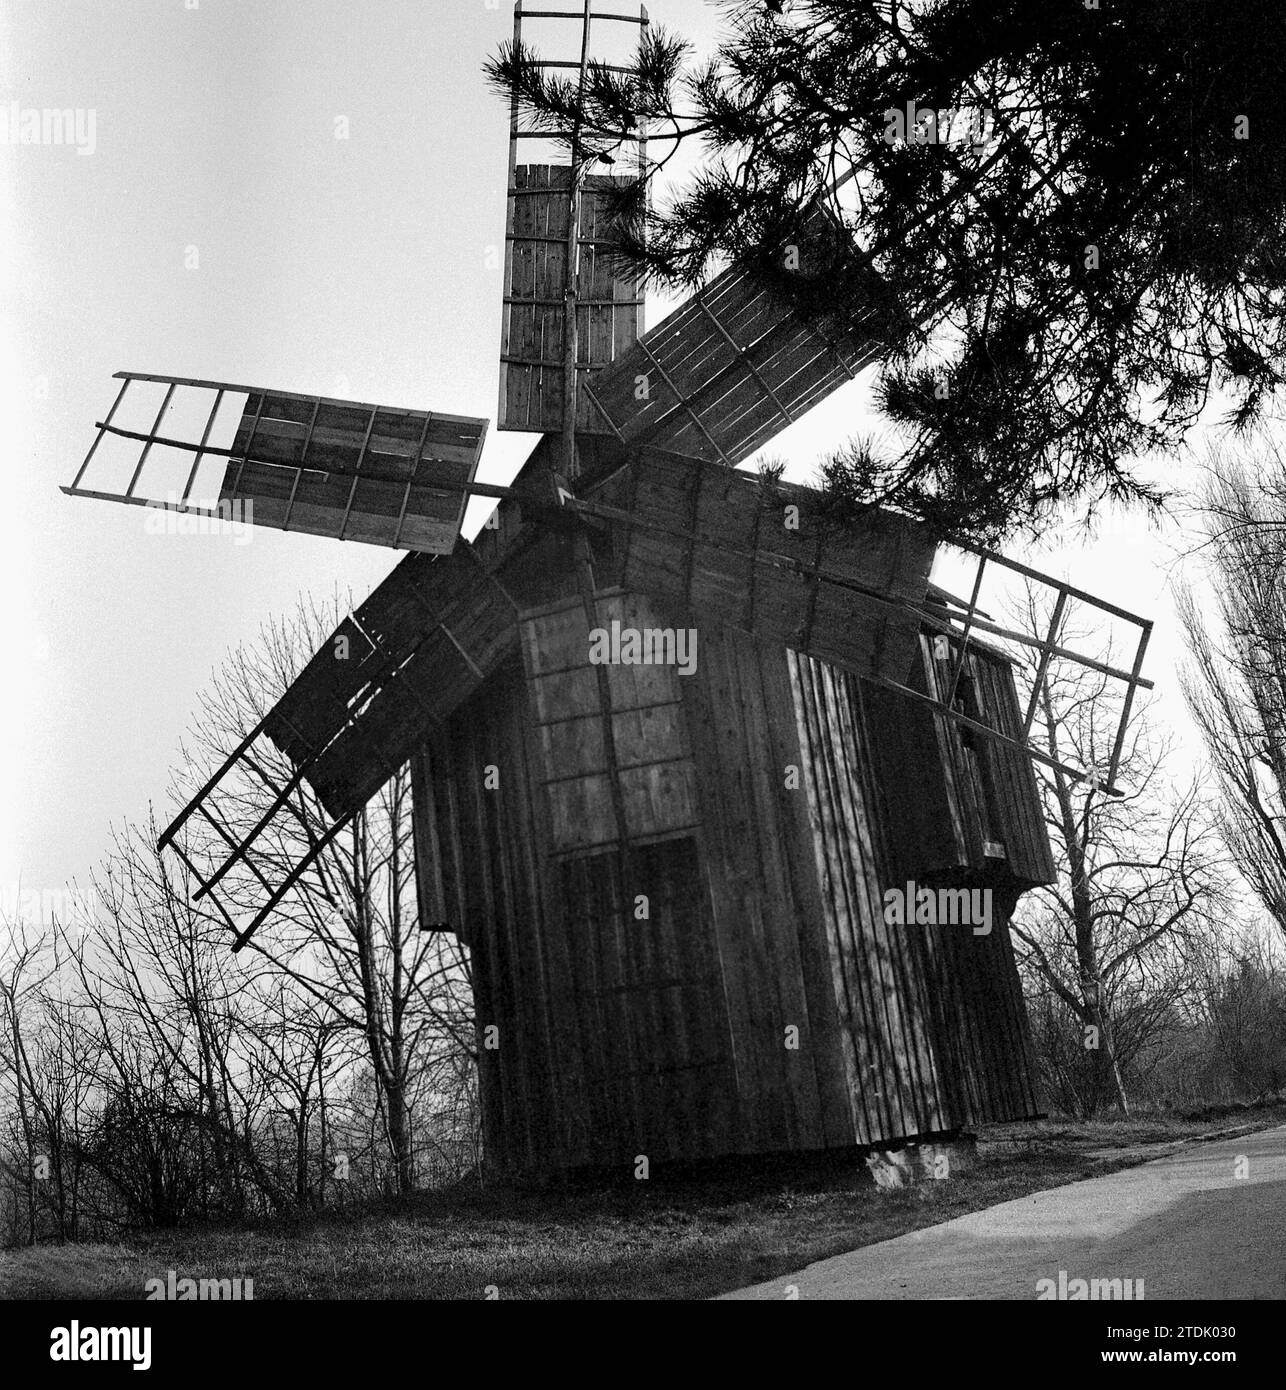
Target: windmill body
{"x":674,"y":885}
{"x":677,"y":747}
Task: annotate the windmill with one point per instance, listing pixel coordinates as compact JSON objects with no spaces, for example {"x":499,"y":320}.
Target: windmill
{"x":670,"y":872}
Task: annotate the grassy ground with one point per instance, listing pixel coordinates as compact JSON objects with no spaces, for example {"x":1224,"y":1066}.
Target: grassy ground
{"x":692,"y":1238}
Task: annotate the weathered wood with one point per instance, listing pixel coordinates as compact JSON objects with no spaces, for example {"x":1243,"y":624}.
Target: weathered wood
{"x":723,"y":369}
{"x":666,"y":1036}
{"x":863,"y":585}
{"x":609,"y":308}
{"x":367,"y":473}
{"x":657,"y":779}
{"x":420,"y":644}
{"x":938,"y":1008}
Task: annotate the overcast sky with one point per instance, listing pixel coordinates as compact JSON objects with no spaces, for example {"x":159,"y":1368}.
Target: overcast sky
{"x":353,"y":267}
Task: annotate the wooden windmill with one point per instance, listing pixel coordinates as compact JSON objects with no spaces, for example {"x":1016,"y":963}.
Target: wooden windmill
{"x":670,"y":876}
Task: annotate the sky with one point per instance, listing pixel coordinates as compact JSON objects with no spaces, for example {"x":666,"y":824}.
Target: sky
{"x":217,"y":226}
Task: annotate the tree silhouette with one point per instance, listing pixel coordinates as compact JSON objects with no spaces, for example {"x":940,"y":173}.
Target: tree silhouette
{"x":1069,"y":213}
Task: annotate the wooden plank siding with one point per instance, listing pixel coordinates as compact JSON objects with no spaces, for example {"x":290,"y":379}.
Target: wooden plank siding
{"x":737,"y":554}
{"x":492,"y":896}
{"x":1022,"y":815}
{"x":668,"y":1037}
{"x":647,"y":992}
{"x":613,"y":1039}
{"x":979,"y":1023}
{"x":765,"y":899}
{"x":971,"y":790}
{"x":650,"y":749}
{"x":877,"y":975}
{"x":935,"y":1013}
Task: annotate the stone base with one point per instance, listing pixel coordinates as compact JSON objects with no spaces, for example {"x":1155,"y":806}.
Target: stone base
{"x":925,"y":1161}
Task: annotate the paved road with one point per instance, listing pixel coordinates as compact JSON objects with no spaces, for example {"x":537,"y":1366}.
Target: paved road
{"x":1186,"y":1225}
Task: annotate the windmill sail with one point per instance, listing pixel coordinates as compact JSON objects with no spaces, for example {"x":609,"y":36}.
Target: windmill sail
{"x":552,"y":267}
{"x":609,"y":305}
{"x":424,"y":640}
{"x":327,"y":467}
{"x":437,"y":629}
{"x":732,"y":367}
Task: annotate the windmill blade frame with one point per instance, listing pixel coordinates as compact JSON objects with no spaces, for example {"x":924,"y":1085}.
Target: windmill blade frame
{"x":346,"y":470}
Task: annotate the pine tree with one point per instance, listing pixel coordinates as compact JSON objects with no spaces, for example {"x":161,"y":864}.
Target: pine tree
{"x":1066,"y":217}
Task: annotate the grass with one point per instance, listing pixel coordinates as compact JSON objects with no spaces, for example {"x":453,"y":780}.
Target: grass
{"x":677,"y":1237}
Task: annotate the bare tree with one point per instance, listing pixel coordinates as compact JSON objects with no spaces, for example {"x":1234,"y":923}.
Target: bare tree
{"x":46,"y":1078}
{"x":25,"y":970}
{"x":1241,"y":1016}
{"x":157,"y":1078}
{"x":183,"y":1091}
{"x":1235,"y":684}
{"x":348,"y":937}
{"x":301,"y":1049}
{"x":1139,"y":879}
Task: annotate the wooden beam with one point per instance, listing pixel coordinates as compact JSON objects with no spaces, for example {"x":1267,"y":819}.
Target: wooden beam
{"x":744,"y":356}
{"x":205,"y":438}
{"x":558,"y":303}
{"x":75,"y":482}
{"x":299,"y":471}
{"x":576,"y":14}
{"x":985,"y":729}
{"x":172,"y":829}
{"x":441,"y":485}
{"x":291,"y":879}
{"x":1054,"y":624}
{"x":964,"y":636}
{"x":283,"y":795}
{"x":357,"y":473}
{"x":142,"y":458}
{"x":548,"y":63}
{"x":415,"y":463}
{"x":1019,"y":568}
{"x":242,"y":390}
{"x":683,"y":403}
{"x":1135,"y":682}
{"x":245,"y":458}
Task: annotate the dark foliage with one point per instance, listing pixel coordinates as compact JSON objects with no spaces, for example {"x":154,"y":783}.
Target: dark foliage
{"x":1093,"y":248}
{"x":168,"y":1162}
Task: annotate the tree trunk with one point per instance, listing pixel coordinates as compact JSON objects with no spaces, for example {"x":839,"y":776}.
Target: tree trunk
{"x":1094,"y":1007}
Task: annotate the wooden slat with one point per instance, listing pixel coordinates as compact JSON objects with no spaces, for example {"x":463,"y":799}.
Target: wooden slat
{"x":419,"y":645}
{"x":657,"y":778}
{"x":710,"y":568}
{"x":354,"y":481}
{"x":757,"y":1046}
{"x":724,"y":368}
{"x":609,"y":313}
